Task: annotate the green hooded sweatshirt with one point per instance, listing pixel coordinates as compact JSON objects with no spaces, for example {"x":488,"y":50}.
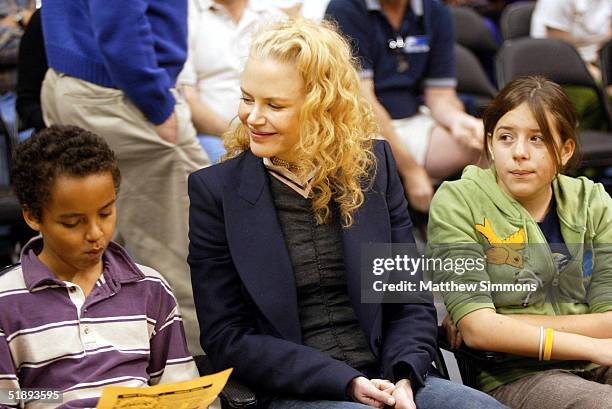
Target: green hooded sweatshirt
{"x":472,"y":218}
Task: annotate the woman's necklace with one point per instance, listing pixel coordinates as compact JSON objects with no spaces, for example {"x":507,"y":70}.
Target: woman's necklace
{"x":285,"y":164}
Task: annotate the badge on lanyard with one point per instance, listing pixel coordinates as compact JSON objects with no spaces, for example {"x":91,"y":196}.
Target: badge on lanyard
{"x":416,"y":44}
{"x":397,"y":45}
{"x":408,"y":45}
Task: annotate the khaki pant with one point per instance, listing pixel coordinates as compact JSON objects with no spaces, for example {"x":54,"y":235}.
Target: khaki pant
{"x":415,"y":133}
{"x":558,"y":389}
{"x":152,"y":207}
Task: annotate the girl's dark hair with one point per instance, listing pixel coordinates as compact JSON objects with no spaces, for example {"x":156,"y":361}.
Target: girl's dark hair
{"x":58,"y":150}
{"x":545,"y":99}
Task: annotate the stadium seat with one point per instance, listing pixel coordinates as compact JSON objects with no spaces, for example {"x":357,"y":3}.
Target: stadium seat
{"x":472,"y":81}
{"x":234,"y":395}
{"x":515,"y":21}
{"x":605,"y":63}
{"x":471,"y":30}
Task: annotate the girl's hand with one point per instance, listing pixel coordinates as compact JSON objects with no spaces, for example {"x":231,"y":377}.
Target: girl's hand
{"x":452,"y":332}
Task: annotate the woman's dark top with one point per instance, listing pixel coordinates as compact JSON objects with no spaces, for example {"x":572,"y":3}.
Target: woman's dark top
{"x":327,"y":319}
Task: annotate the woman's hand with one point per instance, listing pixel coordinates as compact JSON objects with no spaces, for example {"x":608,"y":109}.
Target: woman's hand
{"x":383,"y":385}
{"x":365,"y":391}
{"x":452,"y":332}
{"x":404,"y":398}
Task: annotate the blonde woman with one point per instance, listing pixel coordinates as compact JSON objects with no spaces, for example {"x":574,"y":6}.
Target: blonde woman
{"x":276,"y":233}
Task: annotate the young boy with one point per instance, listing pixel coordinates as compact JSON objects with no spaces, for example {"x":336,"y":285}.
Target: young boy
{"x":78,"y":314}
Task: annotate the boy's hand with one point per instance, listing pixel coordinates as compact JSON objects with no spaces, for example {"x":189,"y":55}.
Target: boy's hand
{"x":404,"y":398}
{"x":364,"y":391}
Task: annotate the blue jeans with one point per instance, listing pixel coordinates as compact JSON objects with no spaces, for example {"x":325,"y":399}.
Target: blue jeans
{"x":9,"y":116}
{"x":213,"y":146}
{"x":7,"y":112}
{"x":436,"y":394}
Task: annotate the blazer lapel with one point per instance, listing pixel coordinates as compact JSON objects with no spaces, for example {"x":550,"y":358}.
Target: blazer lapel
{"x":261,"y":257}
{"x":371,"y":226}
{"x":259,"y":251}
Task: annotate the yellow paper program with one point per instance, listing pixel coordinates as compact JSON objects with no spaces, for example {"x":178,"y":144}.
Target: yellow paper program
{"x":195,"y":394}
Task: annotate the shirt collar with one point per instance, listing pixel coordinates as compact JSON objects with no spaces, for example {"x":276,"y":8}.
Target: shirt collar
{"x":415,"y":5}
{"x":118,"y":266}
{"x":303,"y":186}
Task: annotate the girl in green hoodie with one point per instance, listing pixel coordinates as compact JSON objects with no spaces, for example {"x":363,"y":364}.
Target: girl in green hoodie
{"x":545,"y":239}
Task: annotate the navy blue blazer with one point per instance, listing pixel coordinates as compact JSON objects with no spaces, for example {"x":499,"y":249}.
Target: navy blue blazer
{"x":245,"y":293}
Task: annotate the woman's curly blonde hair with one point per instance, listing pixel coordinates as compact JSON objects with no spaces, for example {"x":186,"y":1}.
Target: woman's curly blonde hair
{"x":336,"y":123}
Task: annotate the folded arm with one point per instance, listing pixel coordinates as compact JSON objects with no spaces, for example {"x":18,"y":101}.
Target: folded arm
{"x":485,"y":329}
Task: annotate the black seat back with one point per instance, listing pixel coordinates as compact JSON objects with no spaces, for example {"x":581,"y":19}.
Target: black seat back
{"x":471,"y":30}
{"x":472,"y":79}
{"x":515,"y":21}
{"x":605,"y":63}
{"x":554,"y":59}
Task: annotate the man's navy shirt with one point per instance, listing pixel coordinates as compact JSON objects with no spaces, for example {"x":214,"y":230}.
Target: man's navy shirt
{"x":427,"y":34}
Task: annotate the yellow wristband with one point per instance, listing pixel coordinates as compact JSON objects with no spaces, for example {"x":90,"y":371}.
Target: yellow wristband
{"x":548,"y":344}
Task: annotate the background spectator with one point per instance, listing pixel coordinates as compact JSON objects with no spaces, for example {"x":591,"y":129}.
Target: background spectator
{"x":219,"y":39}
{"x":587,"y":24}
{"x":14,"y":17}
{"x":406,"y":52}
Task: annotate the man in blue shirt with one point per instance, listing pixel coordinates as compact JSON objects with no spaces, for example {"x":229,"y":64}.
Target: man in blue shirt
{"x":113,"y":68}
{"x":405,"y":49}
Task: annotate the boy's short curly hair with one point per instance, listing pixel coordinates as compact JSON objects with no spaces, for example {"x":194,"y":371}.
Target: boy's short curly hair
{"x":58,"y":150}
